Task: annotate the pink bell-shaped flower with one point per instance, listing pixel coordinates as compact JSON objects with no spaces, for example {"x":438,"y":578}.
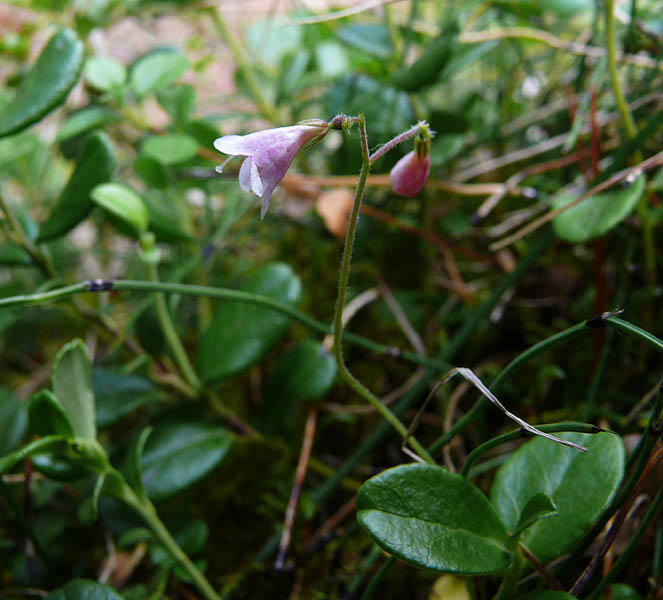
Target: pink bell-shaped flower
{"x":409,"y":174}
{"x":268,"y":155}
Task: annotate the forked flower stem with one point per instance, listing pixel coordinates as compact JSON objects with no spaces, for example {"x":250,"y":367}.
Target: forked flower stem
{"x":400,"y":138}
{"x":354,"y":383}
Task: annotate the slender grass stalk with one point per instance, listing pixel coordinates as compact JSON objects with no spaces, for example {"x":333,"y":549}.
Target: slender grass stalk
{"x":346,"y":259}
{"x":631,"y":132}
{"x":62,"y":293}
{"x":21,"y":238}
{"x":558,"y":338}
{"x":169,"y":331}
{"x":519,"y":434}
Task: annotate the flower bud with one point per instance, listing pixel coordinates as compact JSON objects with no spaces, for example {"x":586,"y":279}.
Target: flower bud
{"x":409,"y":174}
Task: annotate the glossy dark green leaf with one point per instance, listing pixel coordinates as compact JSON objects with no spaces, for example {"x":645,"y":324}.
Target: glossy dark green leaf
{"x":156,"y":71}
{"x":304,"y":373}
{"x":12,"y":255}
{"x":72,"y":386}
{"x":580,"y":484}
{"x":433,"y":519}
{"x":170,"y":149}
{"x":84,"y":589}
{"x":428,"y":67}
{"x":538,"y":506}
{"x":95,"y":166}
{"x":104,"y":73}
{"x":118,"y":394}
{"x":47,"y":416}
{"x":84,"y":120}
{"x":597,"y":214}
{"x":132,"y":467}
{"x":46,"y":85}
{"x":123,"y":203}
{"x":241,"y":334}
{"x":178,"y":455}
{"x":13,"y":421}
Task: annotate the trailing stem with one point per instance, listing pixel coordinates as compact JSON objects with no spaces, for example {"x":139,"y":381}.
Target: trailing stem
{"x":342,"y":293}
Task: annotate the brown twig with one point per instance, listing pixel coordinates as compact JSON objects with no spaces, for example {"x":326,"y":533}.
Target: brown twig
{"x":616,"y":525}
{"x":623,"y":175}
{"x":300,"y":474}
{"x":548,"y":577}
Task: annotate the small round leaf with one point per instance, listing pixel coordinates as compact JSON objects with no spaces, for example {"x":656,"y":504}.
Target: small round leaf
{"x":433,"y":519}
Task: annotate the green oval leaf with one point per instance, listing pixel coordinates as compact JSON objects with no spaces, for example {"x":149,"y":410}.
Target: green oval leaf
{"x":596,"y":215}
{"x":12,"y":255}
{"x":104,"y":73}
{"x":170,"y":149}
{"x":428,"y":67}
{"x":83,"y":589}
{"x":57,"y":465}
{"x":178,"y":455}
{"x":47,"y":416}
{"x":156,"y":71}
{"x":305,"y":373}
{"x":13,"y":421}
{"x":118,"y":394}
{"x":433,"y":519}
{"x":241,"y":334}
{"x":72,"y":386}
{"x":85,"y":119}
{"x":580,"y":484}
{"x":122,"y":202}
{"x":95,"y":165}
{"x":46,"y":85}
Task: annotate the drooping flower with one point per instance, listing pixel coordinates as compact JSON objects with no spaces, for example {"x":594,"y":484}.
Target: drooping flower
{"x":268,"y":155}
{"x":409,"y":174}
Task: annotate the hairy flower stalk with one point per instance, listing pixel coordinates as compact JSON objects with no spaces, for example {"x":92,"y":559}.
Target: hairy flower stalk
{"x":269,"y":154}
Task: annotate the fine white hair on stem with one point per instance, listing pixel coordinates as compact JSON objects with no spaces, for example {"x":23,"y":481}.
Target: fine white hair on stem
{"x":469,"y":376}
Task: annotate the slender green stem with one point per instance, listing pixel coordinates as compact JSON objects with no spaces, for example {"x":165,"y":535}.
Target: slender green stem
{"x":611,"y":49}
{"x":24,"y":241}
{"x":512,"y":574}
{"x":146,"y":510}
{"x":631,"y":132}
{"x":354,"y":383}
{"x":168,"y":328}
{"x":636,"y":331}
{"x":373,"y":584}
{"x":219,"y":294}
{"x":445,"y":355}
{"x":519,"y":434}
{"x":264,"y":105}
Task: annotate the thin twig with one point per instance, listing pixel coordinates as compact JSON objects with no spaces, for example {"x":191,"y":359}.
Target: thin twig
{"x":476,"y":37}
{"x":337,"y":14}
{"x":623,"y":175}
{"x":488,"y":166}
{"x":300,"y":473}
